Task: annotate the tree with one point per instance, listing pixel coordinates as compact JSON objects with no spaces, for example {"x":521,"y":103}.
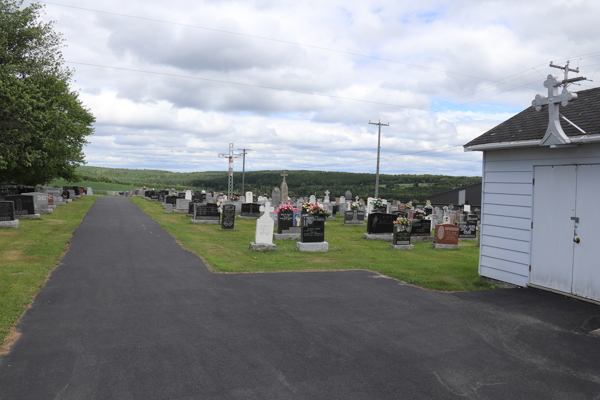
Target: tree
{"x":43,"y":124}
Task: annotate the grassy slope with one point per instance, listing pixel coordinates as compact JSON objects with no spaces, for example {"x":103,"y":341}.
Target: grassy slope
{"x":227,"y":251}
{"x":29,"y":253}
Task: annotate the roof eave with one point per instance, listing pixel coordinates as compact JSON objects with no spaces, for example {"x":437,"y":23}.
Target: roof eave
{"x":530,"y":143}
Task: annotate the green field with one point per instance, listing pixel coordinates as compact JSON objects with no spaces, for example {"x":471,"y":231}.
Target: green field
{"x":94,"y":185}
{"x":27,"y":255}
{"x":227,"y":251}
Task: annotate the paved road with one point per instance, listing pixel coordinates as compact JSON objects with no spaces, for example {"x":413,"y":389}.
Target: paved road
{"x":130,"y":315}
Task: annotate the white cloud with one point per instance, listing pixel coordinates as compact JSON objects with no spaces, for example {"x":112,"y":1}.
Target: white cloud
{"x":176,"y":123}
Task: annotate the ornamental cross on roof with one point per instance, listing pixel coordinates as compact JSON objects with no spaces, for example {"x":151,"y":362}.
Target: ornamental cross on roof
{"x":554,"y":133}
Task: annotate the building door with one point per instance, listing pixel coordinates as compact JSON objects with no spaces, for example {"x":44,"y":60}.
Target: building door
{"x":563,"y":252}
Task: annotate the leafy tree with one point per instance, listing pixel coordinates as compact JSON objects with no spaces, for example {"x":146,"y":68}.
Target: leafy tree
{"x":43,"y":124}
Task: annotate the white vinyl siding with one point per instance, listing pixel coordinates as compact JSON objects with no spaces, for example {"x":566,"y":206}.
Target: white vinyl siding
{"x":507,"y":201}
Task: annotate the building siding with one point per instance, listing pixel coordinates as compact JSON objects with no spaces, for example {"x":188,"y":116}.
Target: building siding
{"x":507,"y":202}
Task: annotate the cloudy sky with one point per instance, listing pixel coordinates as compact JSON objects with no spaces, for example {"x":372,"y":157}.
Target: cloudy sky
{"x":172,"y":83}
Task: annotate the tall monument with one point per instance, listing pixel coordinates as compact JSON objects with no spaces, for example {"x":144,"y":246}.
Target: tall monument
{"x":284,"y":190}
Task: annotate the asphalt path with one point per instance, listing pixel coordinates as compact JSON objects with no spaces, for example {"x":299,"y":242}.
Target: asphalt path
{"x":131,"y":315}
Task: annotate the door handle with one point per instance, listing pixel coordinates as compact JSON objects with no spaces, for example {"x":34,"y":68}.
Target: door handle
{"x":576,"y":240}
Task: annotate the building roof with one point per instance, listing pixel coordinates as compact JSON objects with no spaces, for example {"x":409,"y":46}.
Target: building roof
{"x":531,"y":124}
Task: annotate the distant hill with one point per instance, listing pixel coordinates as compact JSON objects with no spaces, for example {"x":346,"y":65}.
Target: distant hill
{"x":300,"y":183}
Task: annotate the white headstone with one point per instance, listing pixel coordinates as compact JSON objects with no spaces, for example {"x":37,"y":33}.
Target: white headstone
{"x":90,"y":192}
{"x":188,"y":194}
{"x":312,"y":199}
{"x":264,"y":226}
{"x":249,"y":198}
{"x":342,"y":200}
{"x":266,"y":208}
{"x":370,"y":201}
{"x":467,"y":208}
{"x":326,"y":199}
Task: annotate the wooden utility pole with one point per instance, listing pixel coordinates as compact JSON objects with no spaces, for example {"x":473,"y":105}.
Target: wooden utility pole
{"x":244,"y":167}
{"x":379,"y":125}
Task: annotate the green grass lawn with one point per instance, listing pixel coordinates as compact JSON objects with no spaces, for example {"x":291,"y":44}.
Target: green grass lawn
{"x":227,"y":251}
{"x":94,"y":185}
{"x":28,"y":254}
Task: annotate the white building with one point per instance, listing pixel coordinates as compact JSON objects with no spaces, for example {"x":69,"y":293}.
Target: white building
{"x":541,"y":196}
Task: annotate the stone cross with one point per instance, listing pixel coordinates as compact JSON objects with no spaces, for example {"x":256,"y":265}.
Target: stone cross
{"x":357,"y":197}
{"x":554,"y":132}
{"x":266,"y":208}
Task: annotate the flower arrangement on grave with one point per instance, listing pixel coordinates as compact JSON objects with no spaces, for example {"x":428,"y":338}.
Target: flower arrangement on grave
{"x":305,"y":205}
{"x":402,"y":221}
{"x":285,"y":207}
{"x":419,"y":213}
{"x":408,"y":206}
{"x":234,"y":197}
{"x":378,"y":203}
{"x":317,"y":209}
{"x":355,"y":206}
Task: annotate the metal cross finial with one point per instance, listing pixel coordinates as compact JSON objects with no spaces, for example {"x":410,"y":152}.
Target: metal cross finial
{"x":554,"y":132}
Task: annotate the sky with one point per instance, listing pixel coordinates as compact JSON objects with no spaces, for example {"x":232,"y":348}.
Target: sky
{"x":173,"y":83}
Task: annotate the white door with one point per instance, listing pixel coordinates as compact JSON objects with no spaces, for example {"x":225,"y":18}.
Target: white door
{"x":552,"y":241}
{"x":586,"y":264}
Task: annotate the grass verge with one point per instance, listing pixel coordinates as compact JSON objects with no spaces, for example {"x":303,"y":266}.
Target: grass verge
{"x":227,"y":251}
{"x":27,"y":256}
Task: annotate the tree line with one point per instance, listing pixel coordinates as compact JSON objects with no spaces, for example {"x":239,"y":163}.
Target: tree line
{"x":300,"y":183}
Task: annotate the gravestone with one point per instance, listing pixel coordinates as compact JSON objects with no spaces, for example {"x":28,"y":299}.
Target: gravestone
{"x":421,"y":230}
{"x":90,"y":192}
{"x":171,"y":200}
{"x":181,"y":206}
{"x":228,"y":217}
{"x":276,"y":197}
{"x":312,"y":235}
{"x":326,"y":199}
{"x":250,"y":211}
{"x":188,"y":195}
{"x":380,"y":227}
{"x":206,"y":213}
{"x":288,"y":227}
{"x":168,"y":208}
{"x":40,"y":203}
{"x":249,"y":197}
{"x":348,"y":195}
{"x":263,"y":240}
{"x":354,"y":217}
{"x":342,"y":200}
{"x":446,"y":237}
{"x":468,"y":230}
{"x":312,"y":199}
{"x":7,"y":215}
{"x":402,"y":238}
{"x":284,"y":189}
{"x":24,"y":206}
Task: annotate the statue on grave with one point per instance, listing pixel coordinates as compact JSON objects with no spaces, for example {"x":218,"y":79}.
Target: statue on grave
{"x":284,"y":189}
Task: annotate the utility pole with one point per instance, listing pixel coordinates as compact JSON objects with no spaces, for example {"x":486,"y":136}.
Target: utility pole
{"x":244,"y":167}
{"x":379,"y":125}
{"x":231,"y":157}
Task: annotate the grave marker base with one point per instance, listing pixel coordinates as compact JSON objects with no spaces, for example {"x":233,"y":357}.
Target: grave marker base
{"x":286,"y":236}
{"x":312,"y":247}
{"x":30,"y":216}
{"x":9,"y":224}
{"x":401,"y":246}
{"x":262,"y":246}
{"x":419,"y":239}
{"x":205,"y":221}
{"x":350,"y":223}
{"x":45,"y":211}
{"x":168,"y":208}
{"x":445,"y":246}
{"x":386,"y":237}
{"x":248,"y":217}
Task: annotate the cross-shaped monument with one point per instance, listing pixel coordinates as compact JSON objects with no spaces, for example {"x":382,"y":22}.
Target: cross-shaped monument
{"x":266,"y":208}
{"x":284,"y":189}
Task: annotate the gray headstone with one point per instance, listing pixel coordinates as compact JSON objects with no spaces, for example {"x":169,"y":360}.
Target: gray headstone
{"x":276,"y":197}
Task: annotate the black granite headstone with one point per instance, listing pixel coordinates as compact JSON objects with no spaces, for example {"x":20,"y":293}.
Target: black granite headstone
{"x":228,"y":217}
{"x":206,"y":211}
{"x":313,"y":229}
{"x":468,"y":230}
{"x":24,"y":205}
{"x":171,"y":200}
{"x":380,"y":223}
{"x":7,"y":211}
{"x":401,"y":234}
{"x":428,"y":211}
{"x":421,"y":227}
{"x":250,"y":210}
{"x":285,"y":220}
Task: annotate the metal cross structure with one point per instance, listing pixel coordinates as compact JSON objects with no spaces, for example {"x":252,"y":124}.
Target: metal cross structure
{"x":554,"y":133}
{"x":231,"y":157}
{"x":378,"y":148}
